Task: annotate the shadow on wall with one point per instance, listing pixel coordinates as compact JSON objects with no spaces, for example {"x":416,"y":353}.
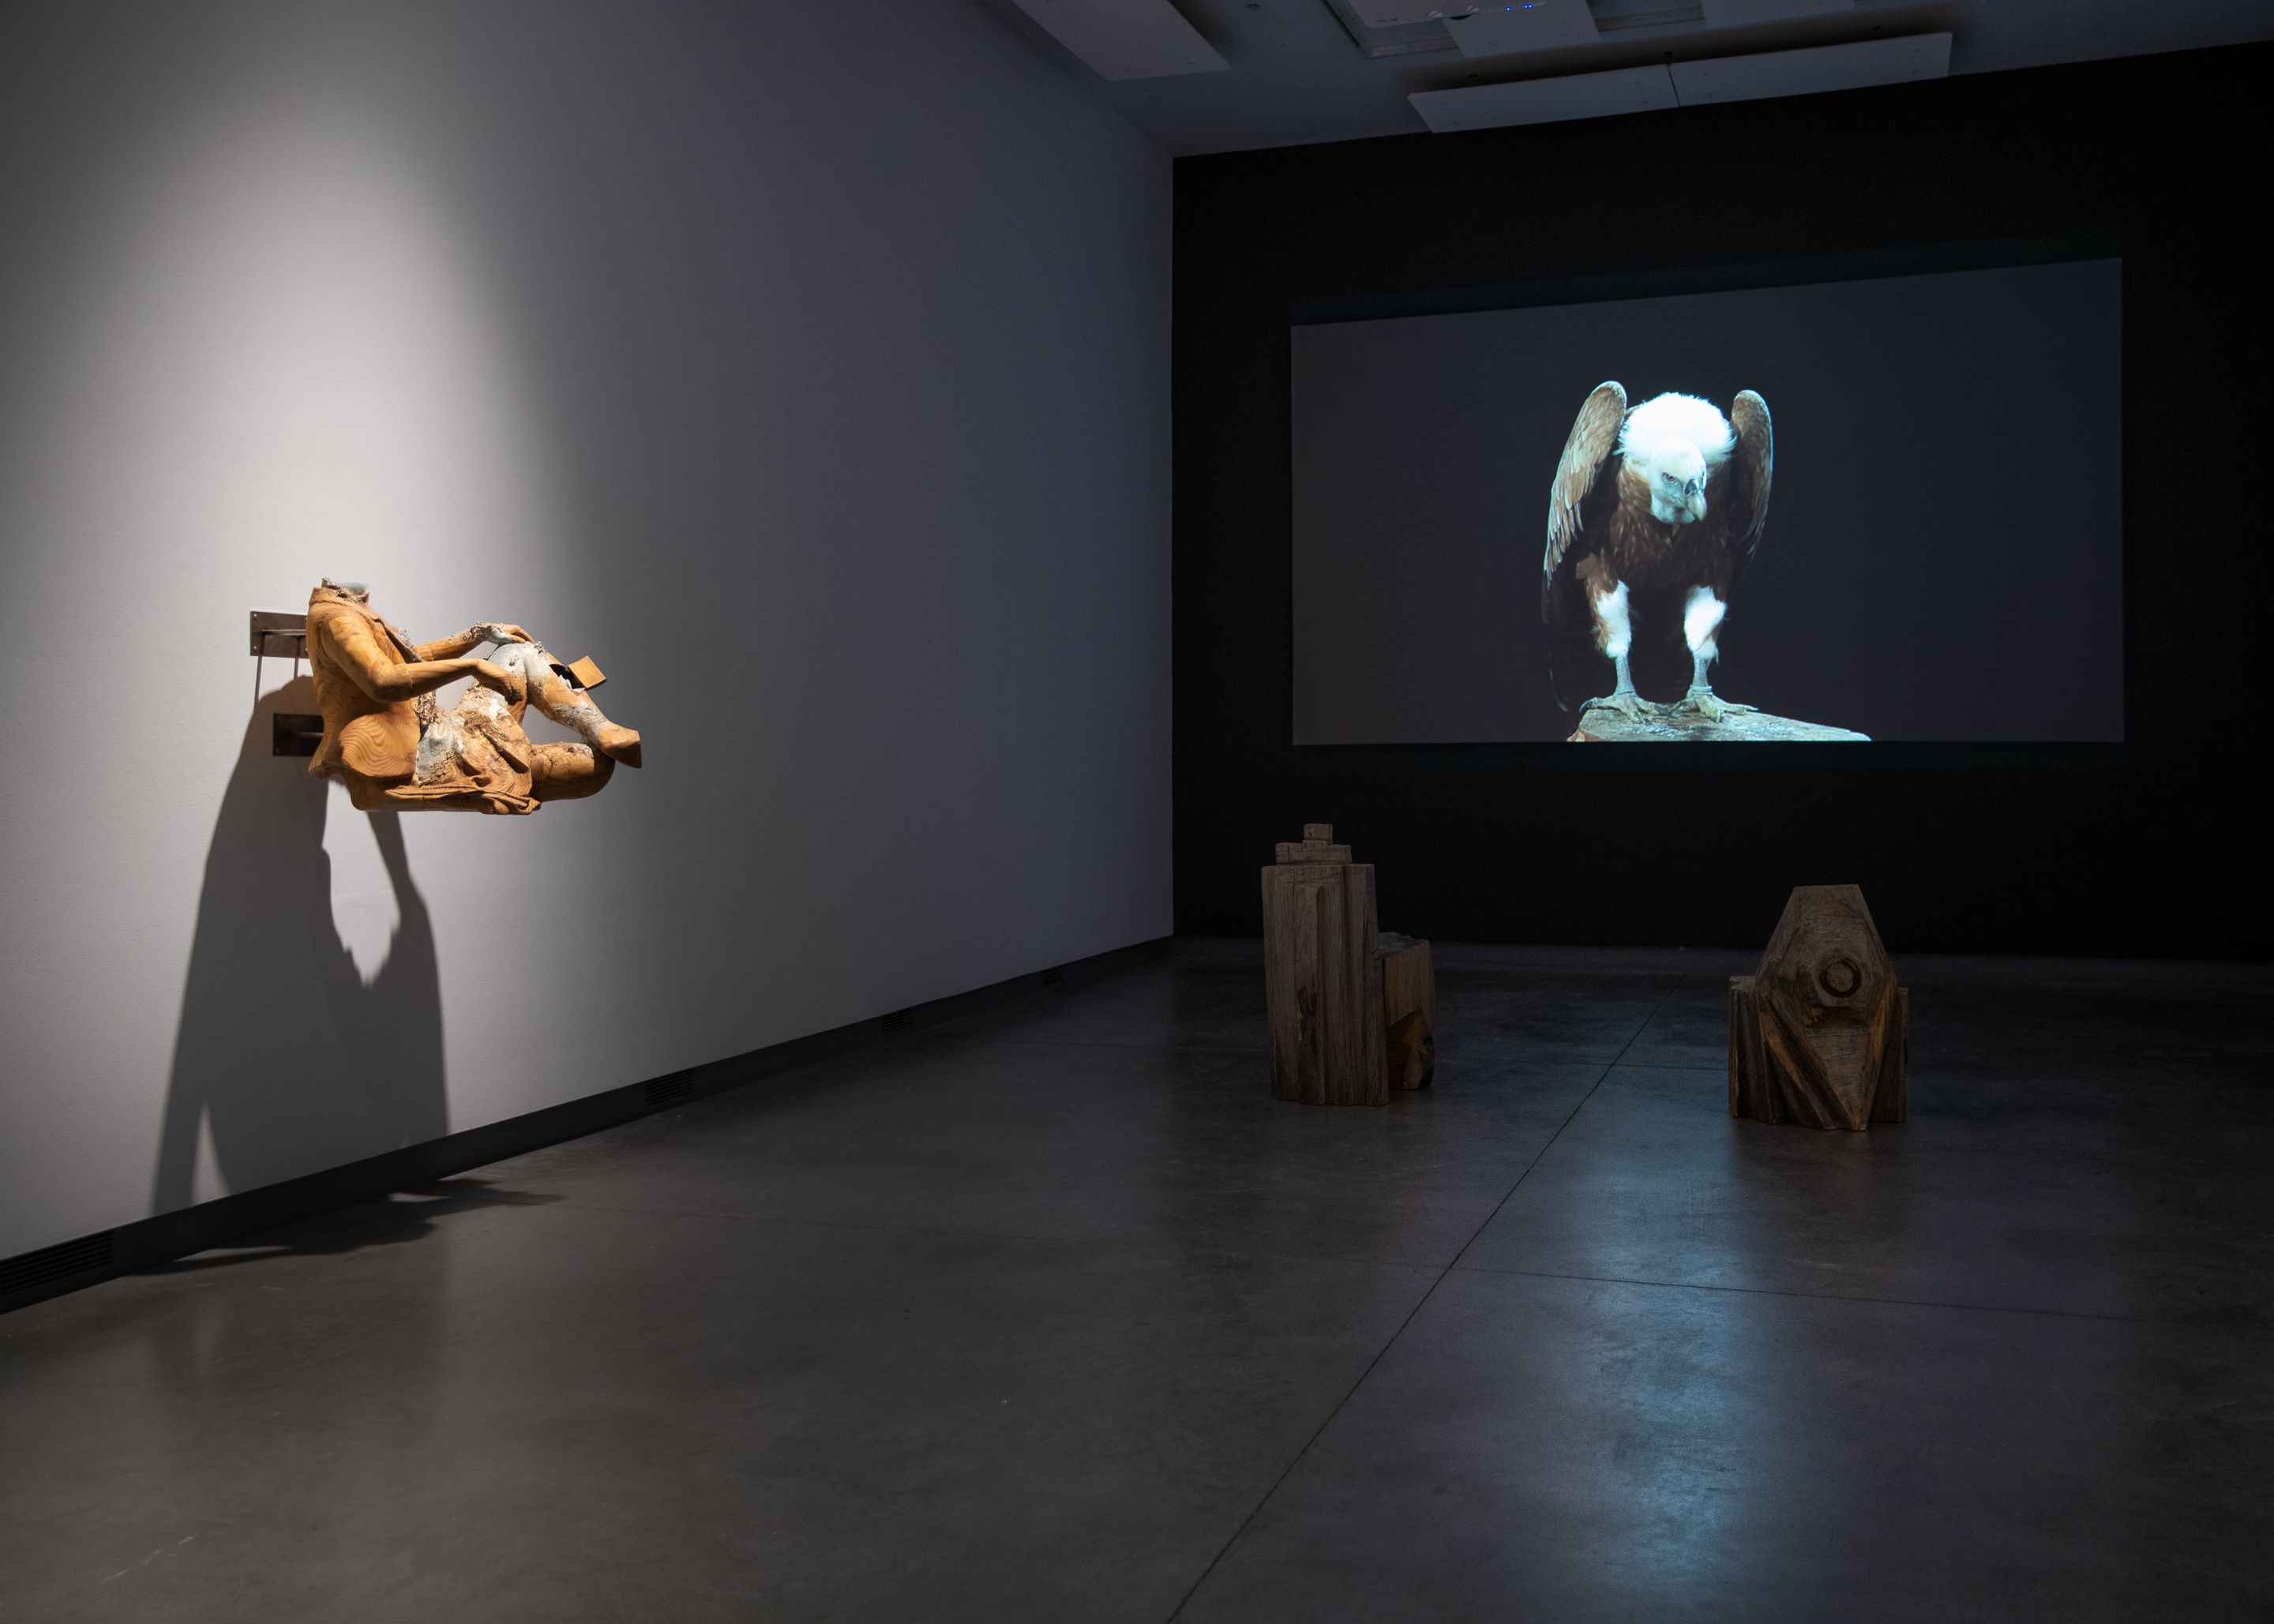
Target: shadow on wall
{"x":287,"y":1058}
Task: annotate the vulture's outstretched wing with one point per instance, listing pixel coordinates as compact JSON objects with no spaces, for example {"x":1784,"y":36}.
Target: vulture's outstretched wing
{"x":1750,"y":463}
{"x":1593,"y":437}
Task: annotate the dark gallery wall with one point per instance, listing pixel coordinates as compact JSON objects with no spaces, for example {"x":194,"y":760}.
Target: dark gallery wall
{"x":2139,"y":849}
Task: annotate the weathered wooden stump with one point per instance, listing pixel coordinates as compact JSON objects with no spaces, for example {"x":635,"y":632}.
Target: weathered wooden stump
{"x":1409,"y":1010}
{"x":1322,"y":974}
{"x":1820,"y":1034}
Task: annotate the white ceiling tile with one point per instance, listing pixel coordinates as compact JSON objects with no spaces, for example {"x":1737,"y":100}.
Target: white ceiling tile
{"x":1804,"y":73}
{"x":1744,"y":13}
{"x":1547,"y":101}
{"x":1524,"y":26}
{"x":1126,"y":39}
{"x":1392,"y":14}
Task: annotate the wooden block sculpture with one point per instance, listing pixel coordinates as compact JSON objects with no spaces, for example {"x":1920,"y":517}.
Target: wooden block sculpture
{"x":1409,"y":1010}
{"x":1322,"y":974}
{"x":1820,"y":1034}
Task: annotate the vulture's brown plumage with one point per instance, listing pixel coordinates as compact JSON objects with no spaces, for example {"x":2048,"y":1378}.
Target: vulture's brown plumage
{"x":1654,"y":513}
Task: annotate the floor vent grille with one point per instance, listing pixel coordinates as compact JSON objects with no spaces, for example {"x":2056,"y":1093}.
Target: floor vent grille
{"x":898,"y":1020}
{"x":37,"y":1268}
{"x":665,"y":1090}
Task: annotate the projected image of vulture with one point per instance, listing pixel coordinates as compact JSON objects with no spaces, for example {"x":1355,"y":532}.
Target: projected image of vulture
{"x":1654,"y":513}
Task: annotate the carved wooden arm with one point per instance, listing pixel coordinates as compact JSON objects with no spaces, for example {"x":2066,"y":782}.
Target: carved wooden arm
{"x":473,"y":637}
{"x":359,"y":657}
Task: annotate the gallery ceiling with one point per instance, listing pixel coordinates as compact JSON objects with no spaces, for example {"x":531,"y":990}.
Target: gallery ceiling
{"x":1304,"y":71}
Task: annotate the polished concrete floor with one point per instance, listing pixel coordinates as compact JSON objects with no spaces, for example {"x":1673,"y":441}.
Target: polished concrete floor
{"x":1053,"y":1314}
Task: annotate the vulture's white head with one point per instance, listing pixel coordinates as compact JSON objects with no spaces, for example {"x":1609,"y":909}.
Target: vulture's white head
{"x":1674,"y":442}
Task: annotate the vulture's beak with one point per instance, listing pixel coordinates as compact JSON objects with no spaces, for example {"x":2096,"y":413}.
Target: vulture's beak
{"x":1698,"y":504}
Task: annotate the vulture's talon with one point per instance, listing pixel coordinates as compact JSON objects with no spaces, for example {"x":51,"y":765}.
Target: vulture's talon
{"x":1710,"y":705}
{"x":1626,"y":702}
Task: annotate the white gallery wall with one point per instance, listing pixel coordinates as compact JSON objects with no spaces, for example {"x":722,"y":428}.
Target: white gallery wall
{"x":805,"y":363}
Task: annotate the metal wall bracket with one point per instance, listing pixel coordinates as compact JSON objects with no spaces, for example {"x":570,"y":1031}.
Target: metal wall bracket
{"x":279,"y":634}
{"x":295,"y":734}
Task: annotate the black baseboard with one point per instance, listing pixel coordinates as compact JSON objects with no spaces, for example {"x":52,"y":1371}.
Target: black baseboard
{"x":88,"y":1260}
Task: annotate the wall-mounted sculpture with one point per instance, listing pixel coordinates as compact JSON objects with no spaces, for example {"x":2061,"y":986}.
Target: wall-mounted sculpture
{"x":389,"y":742}
{"x":1820,"y":1034}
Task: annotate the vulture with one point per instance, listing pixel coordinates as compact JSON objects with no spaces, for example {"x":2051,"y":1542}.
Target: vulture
{"x":1654,"y":513}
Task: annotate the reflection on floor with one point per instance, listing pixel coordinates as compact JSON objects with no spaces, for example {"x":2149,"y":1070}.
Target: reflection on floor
{"x":1056,"y":1315}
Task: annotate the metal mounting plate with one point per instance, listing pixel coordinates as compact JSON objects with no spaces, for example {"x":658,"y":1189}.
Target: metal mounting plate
{"x":280,"y":633}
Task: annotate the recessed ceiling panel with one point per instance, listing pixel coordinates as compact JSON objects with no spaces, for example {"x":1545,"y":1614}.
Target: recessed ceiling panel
{"x":1546,"y":100}
{"x":1804,"y":73}
{"x":1744,"y":13}
{"x":1524,"y":26}
{"x":1391,"y":13}
{"x":1126,"y":39}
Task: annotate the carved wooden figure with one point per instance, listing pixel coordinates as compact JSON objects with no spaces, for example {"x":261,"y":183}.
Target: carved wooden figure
{"x":1409,"y":1010}
{"x":1322,"y":974}
{"x":392,"y":746}
{"x":1820,"y":1034}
